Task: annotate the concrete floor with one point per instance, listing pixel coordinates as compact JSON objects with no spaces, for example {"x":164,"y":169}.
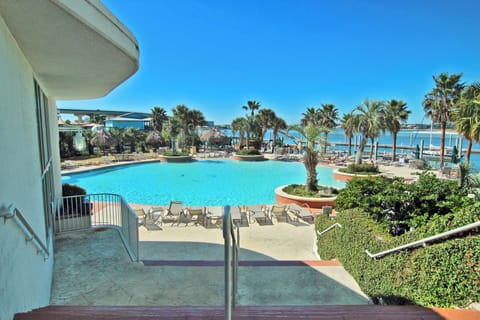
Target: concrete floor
{"x":93,"y":268}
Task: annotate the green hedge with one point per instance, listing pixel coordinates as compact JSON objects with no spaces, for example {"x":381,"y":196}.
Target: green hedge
{"x":445,"y":274}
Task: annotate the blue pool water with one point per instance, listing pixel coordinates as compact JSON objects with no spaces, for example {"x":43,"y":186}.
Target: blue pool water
{"x":201,"y":183}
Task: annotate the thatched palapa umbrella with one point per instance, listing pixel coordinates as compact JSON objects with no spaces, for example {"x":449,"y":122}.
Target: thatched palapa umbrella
{"x":154,"y":139}
{"x":213,"y":136}
{"x":104,"y":139}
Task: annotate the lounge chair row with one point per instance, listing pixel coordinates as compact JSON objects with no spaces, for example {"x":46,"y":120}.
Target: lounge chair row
{"x":209,"y":216}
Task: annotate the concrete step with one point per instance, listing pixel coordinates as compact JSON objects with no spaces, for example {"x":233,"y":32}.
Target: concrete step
{"x":366,"y":312}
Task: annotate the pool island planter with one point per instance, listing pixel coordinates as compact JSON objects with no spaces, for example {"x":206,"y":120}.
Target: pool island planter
{"x":164,"y":158}
{"x":249,"y":157}
{"x":317,"y":203}
{"x":343,"y":176}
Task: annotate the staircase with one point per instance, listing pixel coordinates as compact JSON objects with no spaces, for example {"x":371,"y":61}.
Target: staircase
{"x":363,"y":312}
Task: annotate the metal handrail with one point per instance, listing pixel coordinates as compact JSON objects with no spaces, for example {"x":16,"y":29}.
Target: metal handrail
{"x":14,"y":213}
{"x":423,"y":242}
{"x":336,"y":224}
{"x":231,"y":261}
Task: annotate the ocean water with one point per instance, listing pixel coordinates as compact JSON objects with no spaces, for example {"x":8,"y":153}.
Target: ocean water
{"x":199,"y":183}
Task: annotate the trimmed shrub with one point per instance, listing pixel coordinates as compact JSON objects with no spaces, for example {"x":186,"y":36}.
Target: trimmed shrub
{"x":175,"y":154}
{"x":300,"y":190}
{"x":72,"y":190}
{"x":445,"y":274}
{"x":363,"y":169}
{"x":74,"y":207}
{"x":249,"y":152}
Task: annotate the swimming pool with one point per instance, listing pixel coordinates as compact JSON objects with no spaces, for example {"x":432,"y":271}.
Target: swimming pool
{"x":200,"y":183}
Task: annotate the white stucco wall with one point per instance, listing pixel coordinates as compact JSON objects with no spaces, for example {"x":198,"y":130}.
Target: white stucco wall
{"x":25,"y":278}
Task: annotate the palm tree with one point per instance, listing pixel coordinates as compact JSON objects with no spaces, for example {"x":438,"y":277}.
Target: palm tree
{"x":159,"y":117}
{"x":439,"y":102}
{"x":170,"y":132}
{"x":252,"y":105}
{"x":277,"y":125}
{"x":311,"y":116}
{"x":240,"y":125}
{"x":133,"y":137}
{"x":328,"y":114}
{"x":368,"y":124}
{"x":395,"y":113}
{"x":195,"y":118}
{"x":348,"y":126}
{"x":311,"y":134}
{"x":265,"y":118}
{"x":467,"y":116}
{"x":180,"y":113}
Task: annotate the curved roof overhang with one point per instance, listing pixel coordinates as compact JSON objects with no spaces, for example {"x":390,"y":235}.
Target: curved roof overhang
{"x":77,"y":48}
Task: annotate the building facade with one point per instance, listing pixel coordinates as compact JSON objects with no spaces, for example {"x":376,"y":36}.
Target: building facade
{"x":136,"y":120}
{"x":49,"y":50}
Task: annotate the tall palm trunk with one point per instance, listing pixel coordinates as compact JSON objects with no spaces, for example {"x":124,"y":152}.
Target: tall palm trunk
{"x":311,"y":161}
{"x":349,"y":145}
{"x":372,"y":145}
{"x":469,"y":150}
{"x":274,"y":143}
{"x":394,"y":147}
{"x":442,"y":143}
{"x":182,"y":137}
{"x":326,"y":142}
{"x":241,"y":135}
{"x":358,"y":156}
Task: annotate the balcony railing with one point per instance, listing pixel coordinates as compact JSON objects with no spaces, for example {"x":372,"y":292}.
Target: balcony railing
{"x":99,"y":210}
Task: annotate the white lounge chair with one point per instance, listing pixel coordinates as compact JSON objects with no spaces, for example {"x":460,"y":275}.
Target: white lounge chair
{"x":303,"y":213}
{"x":214,"y":214}
{"x":237,"y":215}
{"x":259,"y":213}
{"x":195,"y":214}
{"x":280,"y":212}
{"x":174,"y":212}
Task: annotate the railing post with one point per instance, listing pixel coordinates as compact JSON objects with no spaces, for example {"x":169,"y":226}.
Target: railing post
{"x":228,"y":262}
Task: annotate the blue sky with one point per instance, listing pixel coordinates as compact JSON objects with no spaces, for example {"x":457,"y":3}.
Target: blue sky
{"x":290,"y":55}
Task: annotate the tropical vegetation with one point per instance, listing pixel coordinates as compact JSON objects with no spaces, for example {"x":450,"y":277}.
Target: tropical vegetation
{"x":380,"y":214}
{"x":450,"y":101}
{"x":256,"y":125}
{"x":368,"y":123}
{"x":312,"y":135}
{"x":466,"y":116}
{"x":394,"y":115}
{"x":440,"y":101}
